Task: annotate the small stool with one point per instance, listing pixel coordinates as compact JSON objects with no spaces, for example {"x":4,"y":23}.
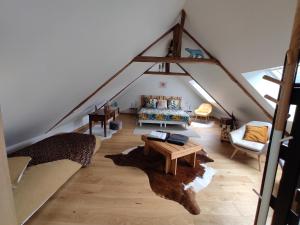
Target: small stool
{"x":115,"y":125}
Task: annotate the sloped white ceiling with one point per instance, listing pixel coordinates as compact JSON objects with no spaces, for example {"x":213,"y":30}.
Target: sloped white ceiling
{"x":227,"y":93}
{"x":55,"y":53}
{"x":245,"y":35}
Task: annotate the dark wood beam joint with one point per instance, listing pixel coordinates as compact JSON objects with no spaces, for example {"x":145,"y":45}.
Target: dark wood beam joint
{"x":157,"y":59}
{"x":166,"y":73}
{"x":167,"y":67}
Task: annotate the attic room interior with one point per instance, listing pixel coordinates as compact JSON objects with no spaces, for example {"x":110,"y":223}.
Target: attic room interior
{"x":150,"y":112}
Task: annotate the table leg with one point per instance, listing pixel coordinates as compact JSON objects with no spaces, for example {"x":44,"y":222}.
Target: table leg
{"x":146,"y":149}
{"x":167,"y":165}
{"x":173,"y":167}
{"x":90,"y":126}
{"x":104,"y":128}
{"x":191,"y":159}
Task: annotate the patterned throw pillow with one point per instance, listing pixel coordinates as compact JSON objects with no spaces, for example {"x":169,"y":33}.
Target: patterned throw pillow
{"x":151,"y":103}
{"x":173,"y":104}
{"x":162,"y":104}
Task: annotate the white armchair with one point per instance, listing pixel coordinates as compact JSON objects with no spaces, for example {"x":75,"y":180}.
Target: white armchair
{"x":256,"y":148}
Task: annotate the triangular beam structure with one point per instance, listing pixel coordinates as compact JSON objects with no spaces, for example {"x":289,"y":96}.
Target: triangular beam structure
{"x":167,"y":59}
{"x":107,"y":82}
{"x":166,"y":72}
{"x":230,"y":75}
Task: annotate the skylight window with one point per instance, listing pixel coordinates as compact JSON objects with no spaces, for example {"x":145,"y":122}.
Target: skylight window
{"x":202,"y":92}
{"x":264,"y":87}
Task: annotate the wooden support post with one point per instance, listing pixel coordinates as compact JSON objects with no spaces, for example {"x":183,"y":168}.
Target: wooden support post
{"x":176,"y":40}
{"x":180,"y":31}
{"x":124,"y":88}
{"x":108,"y":81}
{"x":167,"y":67}
{"x":269,"y":175}
{"x":7,"y":205}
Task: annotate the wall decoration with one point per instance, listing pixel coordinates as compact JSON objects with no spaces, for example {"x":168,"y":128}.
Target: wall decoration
{"x":163,"y":84}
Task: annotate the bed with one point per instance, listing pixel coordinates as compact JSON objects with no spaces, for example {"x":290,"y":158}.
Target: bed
{"x":162,"y":115}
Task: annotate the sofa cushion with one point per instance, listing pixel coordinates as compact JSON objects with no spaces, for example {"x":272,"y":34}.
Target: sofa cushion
{"x":173,"y":104}
{"x":256,"y":134}
{"x":151,"y":103}
{"x":162,"y":104}
{"x":251,"y":145}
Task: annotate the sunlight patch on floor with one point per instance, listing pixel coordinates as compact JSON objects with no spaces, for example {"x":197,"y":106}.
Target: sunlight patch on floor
{"x":199,"y":124}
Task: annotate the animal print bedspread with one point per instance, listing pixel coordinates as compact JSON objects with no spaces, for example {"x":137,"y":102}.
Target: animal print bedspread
{"x":74,"y":146}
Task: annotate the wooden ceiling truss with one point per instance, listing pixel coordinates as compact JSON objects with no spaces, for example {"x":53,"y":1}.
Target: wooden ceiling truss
{"x":178,"y":30}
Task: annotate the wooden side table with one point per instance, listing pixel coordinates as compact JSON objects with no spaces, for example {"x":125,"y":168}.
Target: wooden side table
{"x":133,"y":110}
{"x":172,"y":152}
{"x":102,"y":116}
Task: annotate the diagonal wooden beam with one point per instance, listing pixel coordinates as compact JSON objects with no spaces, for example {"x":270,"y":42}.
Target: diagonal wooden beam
{"x":198,"y":43}
{"x":108,"y":81}
{"x":90,"y":96}
{"x":231,"y":76}
{"x":218,"y":103}
{"x":123,"y":89}
{"x":157,"y":40}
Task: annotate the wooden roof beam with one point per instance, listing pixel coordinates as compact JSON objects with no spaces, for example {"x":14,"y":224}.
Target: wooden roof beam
{"x":230,"y":75}
{"x":166,"y":73}
{"x":157,"y":59}
{"x":177,"y":35}
{"x":108,"y":81}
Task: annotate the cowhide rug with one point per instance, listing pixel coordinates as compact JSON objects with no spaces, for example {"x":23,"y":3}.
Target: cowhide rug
{"x":177,"y":188}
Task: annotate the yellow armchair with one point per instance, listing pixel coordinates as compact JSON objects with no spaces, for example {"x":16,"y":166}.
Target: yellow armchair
{"x":204,"y":110}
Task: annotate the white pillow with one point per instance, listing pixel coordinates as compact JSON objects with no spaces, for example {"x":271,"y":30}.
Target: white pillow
{"x":162,"y":104}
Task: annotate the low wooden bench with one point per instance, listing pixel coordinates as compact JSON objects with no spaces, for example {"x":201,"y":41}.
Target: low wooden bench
{"x":172,"y":152}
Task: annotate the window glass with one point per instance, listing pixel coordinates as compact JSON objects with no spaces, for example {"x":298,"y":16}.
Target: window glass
{"x":201,"y":91}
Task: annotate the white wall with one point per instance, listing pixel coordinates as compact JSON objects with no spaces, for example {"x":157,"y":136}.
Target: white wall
{"x":222,"y":88}
{"x":150,"y":85}
{"x":53,"y":54}
{"x":244,"y":35}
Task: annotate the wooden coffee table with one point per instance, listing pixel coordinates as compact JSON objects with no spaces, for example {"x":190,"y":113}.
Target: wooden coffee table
{"x":172,"y":152}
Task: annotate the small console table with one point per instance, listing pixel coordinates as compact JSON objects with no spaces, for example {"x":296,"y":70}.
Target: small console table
{"x":102,"y":116}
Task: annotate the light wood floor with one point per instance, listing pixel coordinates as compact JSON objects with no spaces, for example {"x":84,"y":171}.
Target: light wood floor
{"x":107,"y":194}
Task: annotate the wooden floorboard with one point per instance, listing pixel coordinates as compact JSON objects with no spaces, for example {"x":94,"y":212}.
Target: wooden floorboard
{"x":104,"y":193}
